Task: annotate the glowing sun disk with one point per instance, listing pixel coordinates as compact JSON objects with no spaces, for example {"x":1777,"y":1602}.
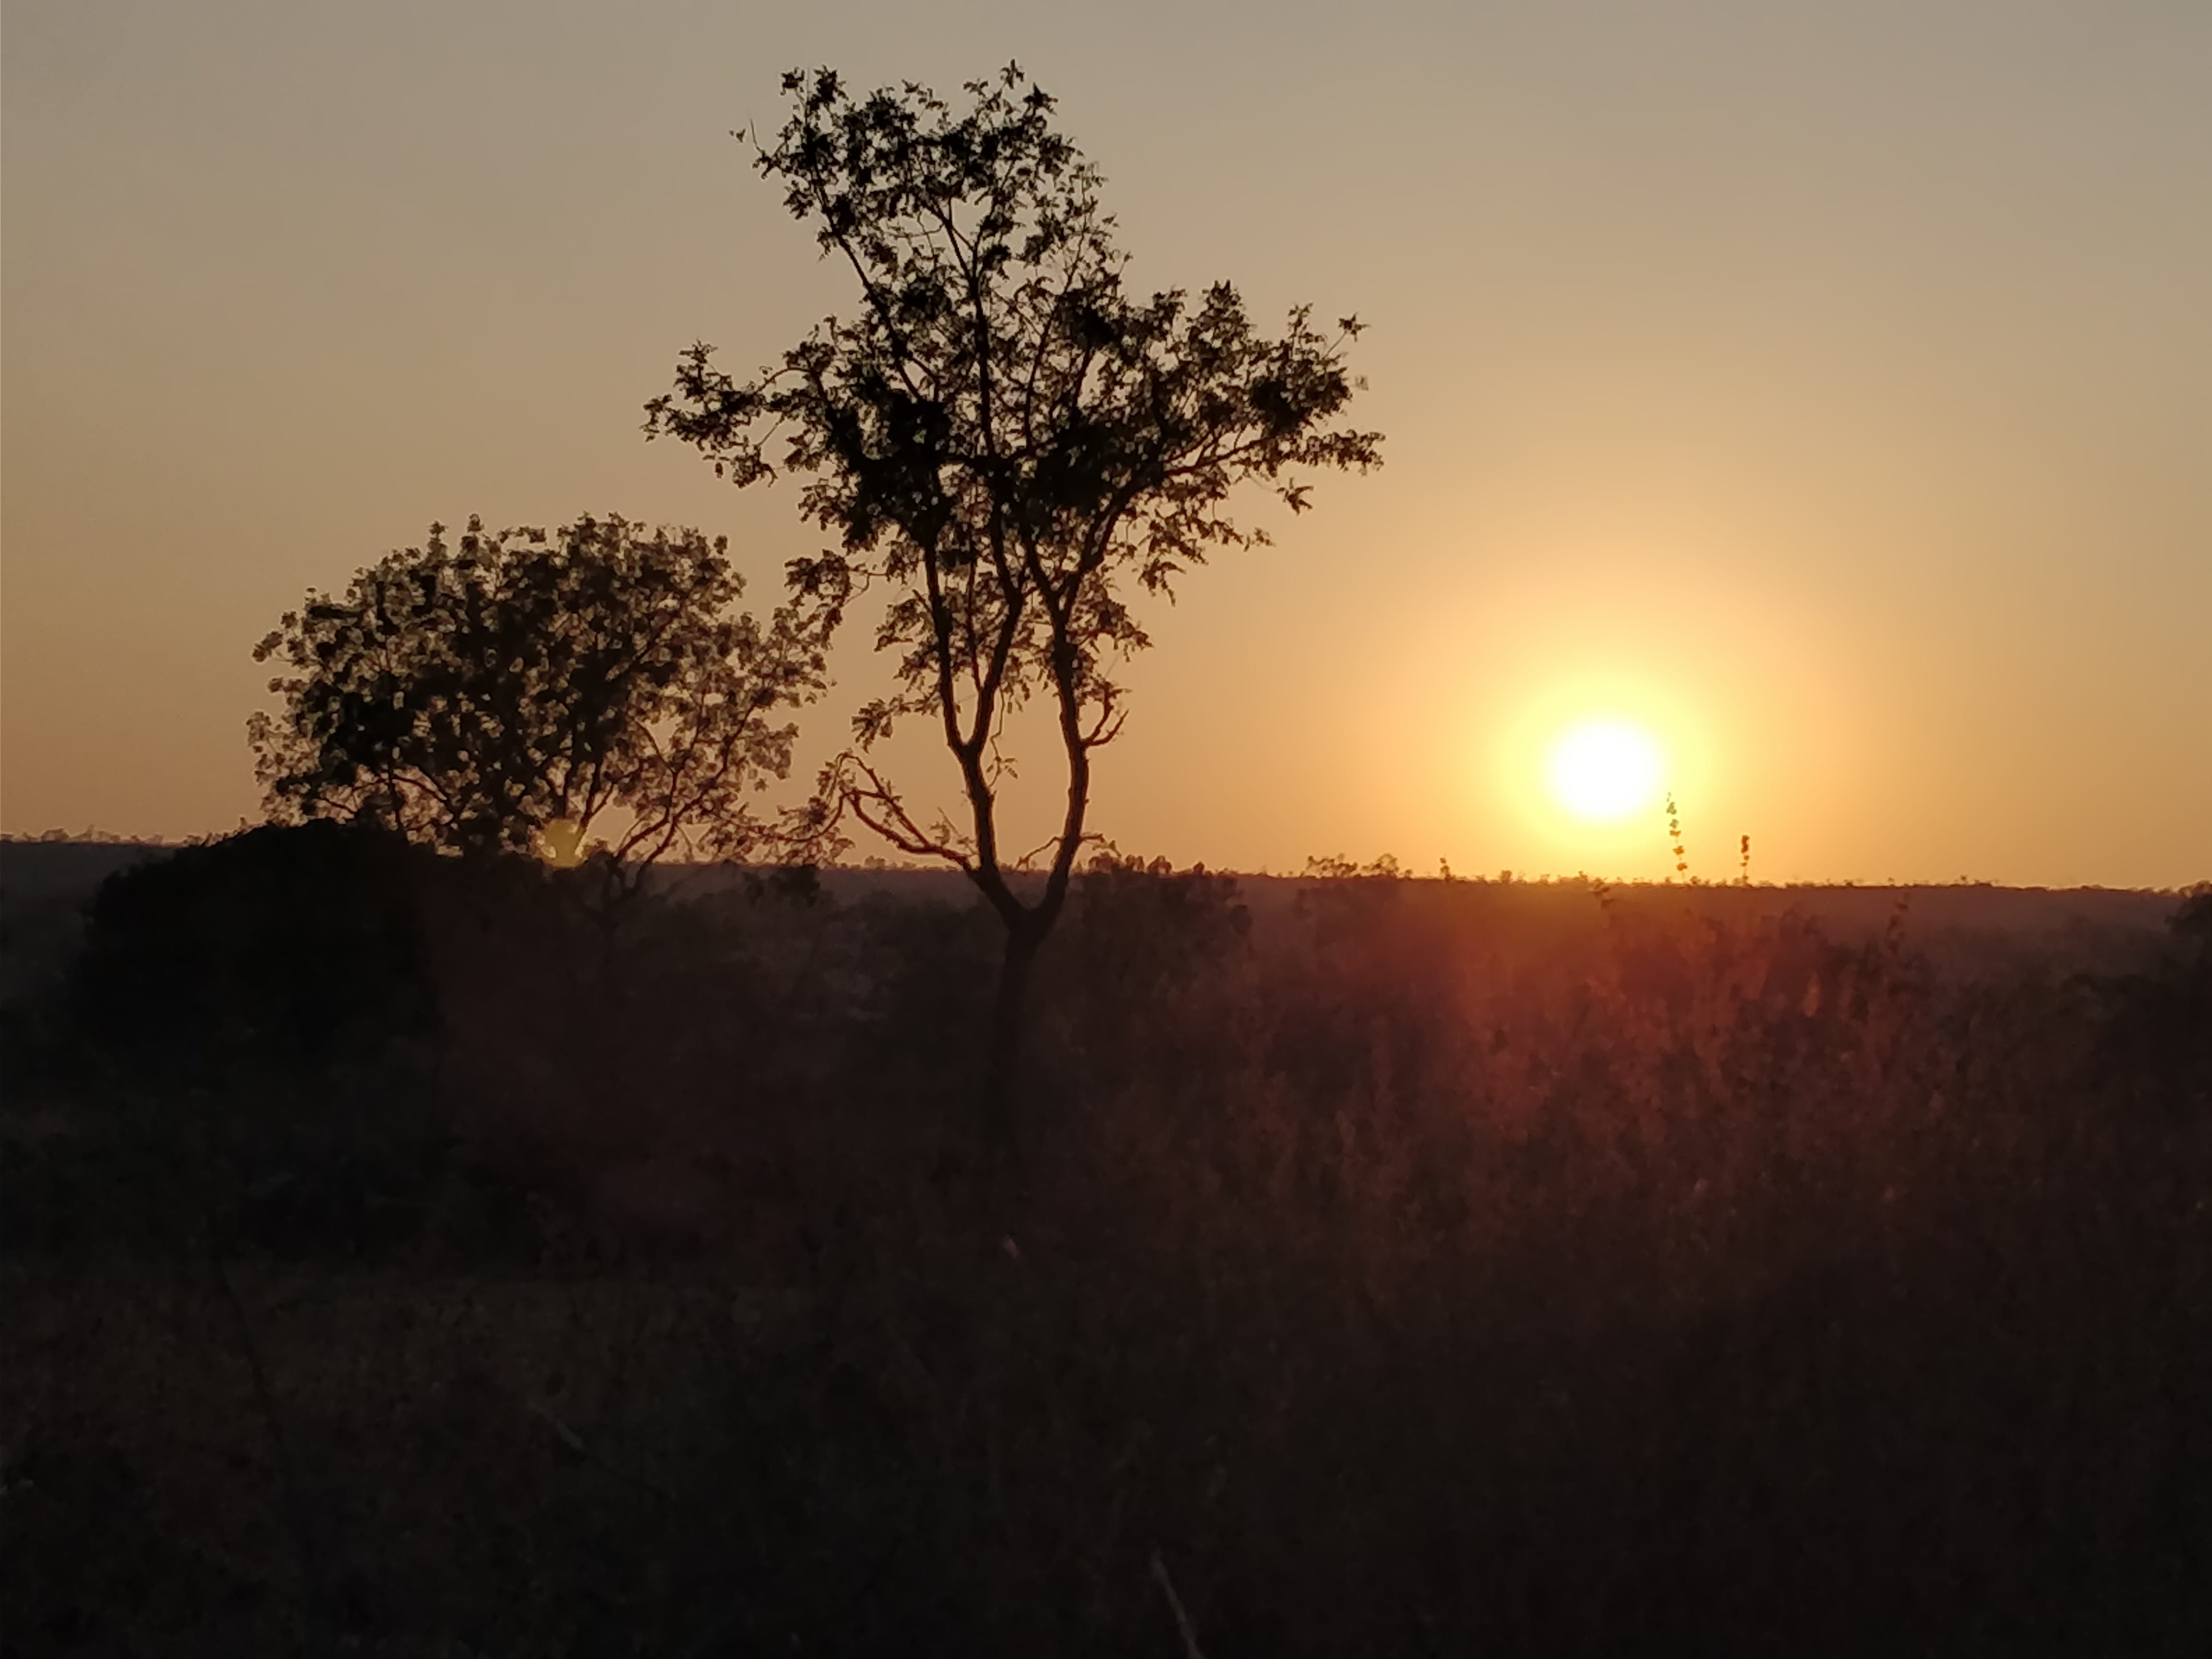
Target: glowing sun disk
{"x":1604,"y":770}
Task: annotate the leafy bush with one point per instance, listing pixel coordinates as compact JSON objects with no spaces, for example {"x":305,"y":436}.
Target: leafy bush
{"x":277,"y":947}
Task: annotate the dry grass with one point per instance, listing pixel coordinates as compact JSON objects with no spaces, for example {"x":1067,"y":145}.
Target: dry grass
{"x":1408,"y":1266}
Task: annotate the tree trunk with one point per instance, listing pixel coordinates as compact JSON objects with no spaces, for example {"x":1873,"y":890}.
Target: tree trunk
{"x":1009,"y":1009}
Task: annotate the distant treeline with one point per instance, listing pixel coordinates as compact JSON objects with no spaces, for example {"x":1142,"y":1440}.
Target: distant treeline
{"x":95,"y":838}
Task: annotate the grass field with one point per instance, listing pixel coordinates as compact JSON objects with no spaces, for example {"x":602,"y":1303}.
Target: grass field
{"x":1391,"y":1268}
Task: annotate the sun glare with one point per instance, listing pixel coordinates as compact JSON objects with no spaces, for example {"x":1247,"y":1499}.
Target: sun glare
{"x":1602,"y":771}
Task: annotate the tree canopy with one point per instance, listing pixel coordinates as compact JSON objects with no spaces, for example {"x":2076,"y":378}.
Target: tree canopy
{"x":520,"y":691}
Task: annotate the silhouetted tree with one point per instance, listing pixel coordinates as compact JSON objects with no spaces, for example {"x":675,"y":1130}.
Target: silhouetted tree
{"x":1009,"y":443}
{"x":511,"y":690}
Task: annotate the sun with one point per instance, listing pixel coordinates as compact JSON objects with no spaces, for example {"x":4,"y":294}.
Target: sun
{"x":1604,"y":770}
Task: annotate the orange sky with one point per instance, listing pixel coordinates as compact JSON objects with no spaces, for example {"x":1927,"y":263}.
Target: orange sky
{"x":1826,"y":387}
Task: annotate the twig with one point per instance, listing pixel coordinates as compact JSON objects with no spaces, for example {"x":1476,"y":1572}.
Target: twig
{"x":575,"y":1441}
{"x":1190,"y":1648}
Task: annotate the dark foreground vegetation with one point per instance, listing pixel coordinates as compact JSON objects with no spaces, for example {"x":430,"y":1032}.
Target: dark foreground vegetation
{"x":401,"y":1254}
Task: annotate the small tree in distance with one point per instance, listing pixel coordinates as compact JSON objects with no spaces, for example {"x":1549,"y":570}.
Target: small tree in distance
{"x":1010,"y":444}
{"x":516,"y":692}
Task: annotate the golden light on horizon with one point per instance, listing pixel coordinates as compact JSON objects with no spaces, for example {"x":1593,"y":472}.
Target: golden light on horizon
{"x":561,"y":842}
{"x":1602,"y":771}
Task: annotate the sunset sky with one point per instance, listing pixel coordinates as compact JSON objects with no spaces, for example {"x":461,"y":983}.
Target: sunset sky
{"x":1821,"y":391}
